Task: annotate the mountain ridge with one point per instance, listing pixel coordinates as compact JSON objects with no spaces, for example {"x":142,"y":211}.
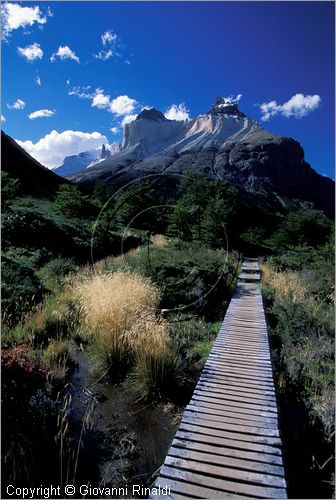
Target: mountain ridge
{"x":225,"y":144}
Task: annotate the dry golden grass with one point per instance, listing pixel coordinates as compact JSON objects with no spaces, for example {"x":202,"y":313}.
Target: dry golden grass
{"x":118,"y":314}
{"x":158,"y":240}
{"x":113,"y":301}
{"x":287,"y":285}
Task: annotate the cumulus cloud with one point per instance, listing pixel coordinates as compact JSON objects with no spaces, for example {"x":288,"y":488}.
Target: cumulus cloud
{"x":123,"y":105}
{"x":31,"y":52}
{"x":38,"y":80}
{"x":101,"y":101}
{"x":64,"y":53}
{"x":114,"y":130}
{"x":128,"y":119}
{"x":177,"y":112}
{"x":41,"y":113}
{"x":3,"y":119}
{"x":18,"y":104}
{"x":51,"y":149}
{"x":298,"y":106}
{"x":15,"y":16}
{"x":108,"y":37}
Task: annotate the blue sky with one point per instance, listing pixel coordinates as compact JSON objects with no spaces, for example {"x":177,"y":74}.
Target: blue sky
{"x":109,"y":59}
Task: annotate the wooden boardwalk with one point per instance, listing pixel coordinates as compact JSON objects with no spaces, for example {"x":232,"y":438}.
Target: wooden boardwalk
{"x":228,"y":443}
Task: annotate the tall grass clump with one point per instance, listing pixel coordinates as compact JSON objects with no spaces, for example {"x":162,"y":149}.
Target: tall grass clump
{"x":156,"y":371}
{"x":118,"y":317}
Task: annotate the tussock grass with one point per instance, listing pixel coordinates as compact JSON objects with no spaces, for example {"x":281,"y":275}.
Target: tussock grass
{"x":156,"y":370}
{"x":118,"y":315}
{"x":159,"y":240}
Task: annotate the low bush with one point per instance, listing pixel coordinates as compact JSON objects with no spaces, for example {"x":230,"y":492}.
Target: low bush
{"x":190,"y":277}
{"x":303,"y":324}
{"x":21,"y":288}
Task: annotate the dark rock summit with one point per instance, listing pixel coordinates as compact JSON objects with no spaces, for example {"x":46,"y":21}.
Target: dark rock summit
{"x":151,"y":114}
{"x":223,"y":106}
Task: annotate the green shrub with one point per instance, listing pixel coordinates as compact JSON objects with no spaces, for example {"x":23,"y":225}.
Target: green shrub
{"x":190,"y":277}
{"x":303,"y":325}
{"x":20,"y":286}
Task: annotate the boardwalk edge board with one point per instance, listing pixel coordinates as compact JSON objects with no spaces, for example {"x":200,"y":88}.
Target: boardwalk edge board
{"x":228,"y":443}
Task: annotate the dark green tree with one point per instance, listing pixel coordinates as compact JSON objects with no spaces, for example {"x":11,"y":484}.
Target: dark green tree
{"x":70,"y":202}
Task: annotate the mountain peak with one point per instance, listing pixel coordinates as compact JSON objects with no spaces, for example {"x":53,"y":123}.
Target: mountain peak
{"x":225,"y":106}
{"x":151,"y":114}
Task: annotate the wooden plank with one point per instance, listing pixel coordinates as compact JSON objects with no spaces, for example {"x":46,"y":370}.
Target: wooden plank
{"x":231,"y":406}
{"x":223,"y":484}
{"x":228,"y":401}
{"x":221,"y":441}
{"x":234,"y":418}
{"x":235,"y":436}
{"x":238,"y":374}
{"x":225,"y":472}
{"x":247,"y":397}
{"x":238,"y":463}
{"x":233,"y":360}
{"x":228,"y":390}
{"x":213,"y":389}
{"x":265,"y":459}
{"x":206,"y":377}
{"x":179,"y":489}
{"x":231,"y":426}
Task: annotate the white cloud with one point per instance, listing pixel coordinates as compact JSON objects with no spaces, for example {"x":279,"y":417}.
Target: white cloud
{"x":112,"y":46}
{"x":3,"y":119}
{"x":38,"y":81}
{"x":83,"y":92}
{"x":15,"y":16}
{"x":101,"y":101}
{"x":41,"y":113}
{"x":31,"y":52}
{"x":123,"y":105}
{"x":104,"y":55}
{"x":177,"y":112}
{"x":230,"y":99}
{"x":18,"y":104}
{"x":128,"y":119}
{"x":114,"y":130}
{"x":51,"y":149}
{"x":298,"y":106}
{"x":108,"y":37}
{"x":64,"y":53}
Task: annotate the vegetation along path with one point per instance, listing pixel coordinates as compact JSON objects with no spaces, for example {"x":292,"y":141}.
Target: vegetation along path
{"x":228,"y":442}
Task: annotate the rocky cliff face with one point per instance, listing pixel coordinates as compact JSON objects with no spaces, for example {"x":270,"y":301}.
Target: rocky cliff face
{"x":225,"y":144}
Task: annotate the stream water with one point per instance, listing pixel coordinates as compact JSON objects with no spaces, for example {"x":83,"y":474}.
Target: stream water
{"x":125,"y":441}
